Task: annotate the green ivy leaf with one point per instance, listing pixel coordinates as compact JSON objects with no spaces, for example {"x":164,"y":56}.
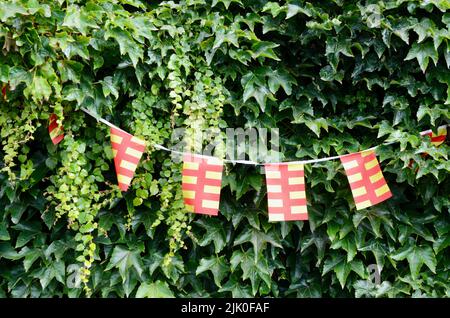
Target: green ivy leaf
{"x":56,"y":270}
{"x":157,"y":289}
{"x":76,"y":18}
{"x":215,"y":233}
{"x":109,"y":87}
{"x":39,"y":89}
{"x":258,"y":239}
{"x":237,"y":289}
{"x":253,"y":267}
{"x":254,"y":86}
{"x":124,"y":259}
{"x":264,"y":49}
{"x":126,"y":44}
{"x":217,"y":266}
{"x":8,"y":252}
{"x":422,"y":52}
{"x":4,"y":234}
{"x":419,"y":256}
{"x":281,"y":78}
{"x":416,"y":256}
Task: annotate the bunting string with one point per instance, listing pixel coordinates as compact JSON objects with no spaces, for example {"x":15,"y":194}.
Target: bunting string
{"x":253,"y":163}
{"x":285,"y":181}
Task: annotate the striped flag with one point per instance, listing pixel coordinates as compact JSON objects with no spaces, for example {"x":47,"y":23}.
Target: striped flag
{"x":286,"y":192}
{"x":4,"y":89}
{"x":127,"y":150}
{"x":201,"y":183}
{"x":365,"y":178}
{"x":438,"y":139}
{"x":56,"y":132}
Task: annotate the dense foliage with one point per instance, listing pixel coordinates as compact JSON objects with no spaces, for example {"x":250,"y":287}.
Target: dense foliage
{"x":334,"y":76}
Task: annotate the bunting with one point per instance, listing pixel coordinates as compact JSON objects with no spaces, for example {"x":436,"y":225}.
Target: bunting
{"x":202,"y":175}
{"x":286,"y":192}
{"x":55,"y":131}
{"x":436,"y":140}
{"x":127,"y":150}
{"x":366,"y":179}
{"x":4,"y":89}
{"x":201,"y":183}
{"x":439,"y":138}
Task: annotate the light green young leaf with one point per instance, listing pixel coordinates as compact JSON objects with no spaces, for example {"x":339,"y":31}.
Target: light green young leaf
{"x":157,"y":289}
{"x":77,"y":18}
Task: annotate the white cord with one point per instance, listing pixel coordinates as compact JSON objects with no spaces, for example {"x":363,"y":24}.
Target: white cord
{"x":249,"y":162}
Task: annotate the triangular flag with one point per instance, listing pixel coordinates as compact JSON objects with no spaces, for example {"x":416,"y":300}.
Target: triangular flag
{"x":201,"y":183}
{"x":286,"y":192}
{"x":439,"y":138}
{"x":127,"y":151}
{"x":436,"y":140}
{"x":4,"y":89}
{"x":365,"y":178}
{"x":56,"y":132}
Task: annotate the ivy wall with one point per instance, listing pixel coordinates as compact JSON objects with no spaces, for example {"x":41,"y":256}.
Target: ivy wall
{"x":333,"y":76}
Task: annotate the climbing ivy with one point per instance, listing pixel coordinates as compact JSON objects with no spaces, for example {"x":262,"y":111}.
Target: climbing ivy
{"x":333,"y":76}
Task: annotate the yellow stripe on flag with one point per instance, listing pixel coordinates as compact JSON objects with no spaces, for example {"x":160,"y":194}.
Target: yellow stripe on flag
{"x":296,"y":180}
{"x":377,"y":176}
{"x":188,"y":194}
{"x":133,"y":152}
{"x":116,"y":139}
{"x":350,"y":164}
{"x":190,"y":165}
{"x":209,"y":204}
{"x":273,"y":175}
{"x":55,"y":132}
{"x":366,"y":153}
{"x":300,"y":209}
{"x":369,"y":165}
{"x":382,"y":190}
{"x":189,"y":208}
{"x":213,"y":175}
{"x":441,"y":131}
{"x":137,"y":141}
{"x":214,"y":161}
{"x":211,"y":189}
{"x":359,"y":191}
{"x":297,"y":195}
{"x":189,"y":179}
{"x":295,"y":167}
{"x":128,"y":165}
{"x":123,"y":179}
{"x":363,"y":205}
{"x":355,"y":177}
{"x":275,"y":203}
{"x":273,"y":217}
{"x":274,"y":188}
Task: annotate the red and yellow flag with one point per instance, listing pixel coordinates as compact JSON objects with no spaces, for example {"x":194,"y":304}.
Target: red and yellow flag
{"x":201,"y":183}
{"x":55,"y":131}
{"x":4,"y":90}
{"x":365,"y":178}
{"x":439,"y":138}
{"x":286,"y":192}
{"x":127,"y":150}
